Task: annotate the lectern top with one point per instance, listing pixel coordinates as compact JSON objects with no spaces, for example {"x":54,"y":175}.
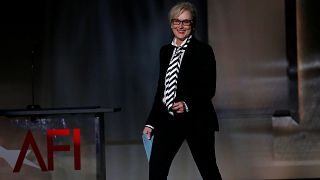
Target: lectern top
{"x":56,"y":111}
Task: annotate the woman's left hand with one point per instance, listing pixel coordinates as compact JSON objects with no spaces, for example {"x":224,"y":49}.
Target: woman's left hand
{"x":178,"y":107}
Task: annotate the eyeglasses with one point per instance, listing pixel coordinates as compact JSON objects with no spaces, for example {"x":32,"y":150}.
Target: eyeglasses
{"x":186,"y":22}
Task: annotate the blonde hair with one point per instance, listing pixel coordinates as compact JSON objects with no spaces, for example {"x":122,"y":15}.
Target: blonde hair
{"x":180,"y":7}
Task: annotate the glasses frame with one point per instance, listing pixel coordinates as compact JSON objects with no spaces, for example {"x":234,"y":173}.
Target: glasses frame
{"x":185,"y":22}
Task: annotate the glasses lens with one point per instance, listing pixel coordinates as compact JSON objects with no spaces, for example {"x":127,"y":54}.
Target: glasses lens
{"x":175,"y":21}
{"x":186,"y":22}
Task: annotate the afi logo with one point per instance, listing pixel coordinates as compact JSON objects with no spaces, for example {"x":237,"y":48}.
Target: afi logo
{"x":29,"y":140}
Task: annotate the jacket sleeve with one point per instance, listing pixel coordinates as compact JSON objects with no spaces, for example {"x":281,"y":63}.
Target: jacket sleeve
{"x":155,"y":112}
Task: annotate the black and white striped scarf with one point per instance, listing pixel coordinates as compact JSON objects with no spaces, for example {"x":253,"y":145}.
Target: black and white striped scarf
{"x":172,"y":73}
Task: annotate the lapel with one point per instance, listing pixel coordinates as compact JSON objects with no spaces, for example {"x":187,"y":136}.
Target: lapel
{"x":187,"y":63}
{"x":187,"y":56}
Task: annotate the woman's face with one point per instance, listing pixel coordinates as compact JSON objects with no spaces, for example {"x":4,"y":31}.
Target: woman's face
{"x":181,"y":26}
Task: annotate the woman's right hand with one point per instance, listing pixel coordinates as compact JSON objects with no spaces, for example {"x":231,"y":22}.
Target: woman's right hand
{"x":147,"y":131}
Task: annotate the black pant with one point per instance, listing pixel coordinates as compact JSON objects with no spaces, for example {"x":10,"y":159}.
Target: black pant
{"x":168,"y":140}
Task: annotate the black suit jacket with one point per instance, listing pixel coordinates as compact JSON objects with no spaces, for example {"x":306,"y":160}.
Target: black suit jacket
{"x":196,"y":85}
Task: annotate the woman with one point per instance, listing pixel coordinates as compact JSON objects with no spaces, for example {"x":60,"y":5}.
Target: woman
{"x":182,"y":108}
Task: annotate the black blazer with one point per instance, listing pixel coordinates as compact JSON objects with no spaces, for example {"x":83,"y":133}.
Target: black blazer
{"x":196,"y":85}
